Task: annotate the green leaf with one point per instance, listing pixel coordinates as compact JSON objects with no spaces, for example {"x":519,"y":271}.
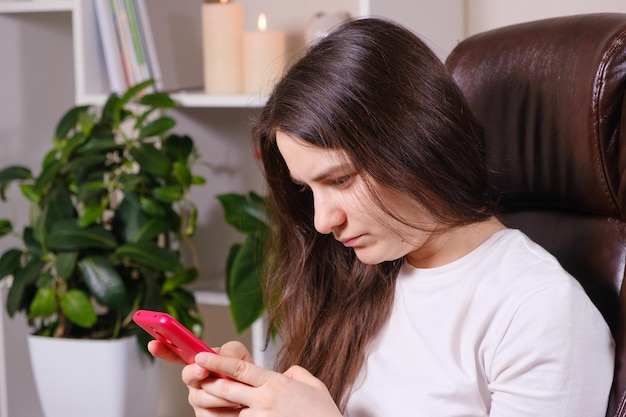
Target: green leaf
{"x":152,"y":299}
{"x":188,"y":276}
{"x":66,"y":264}
{"x":49,"y":158}
{"x":99,"y":145}
{"x":91,"y":192}
{"x":151,"y":160}
{"x":86,"y":122}
{"x":40,"y":225}
{"x":83,"y":164}
{"x":182,"y":301}
{"x":92,"y":214}
{"x":133,"y":91}
{"x":74,"y":142}
{"x":56,"y":205}
{"x":169,"y":194}
{"x":28,"y":191}
{"x":32,"y":244}
{"x":111,"y":111}
{"x":105,"y":282}
{"x":198,"y":180}
{"x":157,"y":127}
{"x":150,"y":229}
{"x":246,"y":213}
{"x":147,"y":254}
{"x":66,"y":235}
{"x":159,"y":99}
{"x":44,"y":303}
{"x":10,"y":261}
{"x":45,"y":279}
{"x":182,"y":173}
{"x":178,"y":147}
{"x":132,"y":223}
{"x":76,"y":306}
{"x":23,"y":286}
{"x":152,"y":207}
{"x":6,"y":227}
{"x":60,"y":204}
{"x":15,"y":173}
{"x":244,"y":285}
{"x":91,"y":186}
{"x":230,"y":260}
{"x":69,"y":120}
{"x":134,"y":183}
{"x":47,"y":177}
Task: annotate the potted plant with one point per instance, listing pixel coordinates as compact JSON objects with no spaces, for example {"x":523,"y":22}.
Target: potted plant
{"x":109,"y":215}
{"x":247,"y":213}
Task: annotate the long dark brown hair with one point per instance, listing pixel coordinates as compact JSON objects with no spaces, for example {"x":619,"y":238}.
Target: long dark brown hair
{"x":374,"y":90}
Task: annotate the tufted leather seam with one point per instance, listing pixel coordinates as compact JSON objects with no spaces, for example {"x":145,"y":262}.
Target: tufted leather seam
{"x":599,"y":84}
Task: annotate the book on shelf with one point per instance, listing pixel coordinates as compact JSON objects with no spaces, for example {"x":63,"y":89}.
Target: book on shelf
{"x":123,"y":34}
{"x":137,"y":40}
{"x":110,"y":46}
{"x":145,"y":32}
{"x":159,"y":39}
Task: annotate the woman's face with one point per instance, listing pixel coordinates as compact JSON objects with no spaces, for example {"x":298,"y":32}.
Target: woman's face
{"x":344,"y":206}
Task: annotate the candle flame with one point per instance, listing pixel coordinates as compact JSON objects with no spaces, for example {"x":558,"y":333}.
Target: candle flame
{"x":262,"y":23}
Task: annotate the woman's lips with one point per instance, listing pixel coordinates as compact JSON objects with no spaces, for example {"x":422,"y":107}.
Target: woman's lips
{"x":351,"y":242}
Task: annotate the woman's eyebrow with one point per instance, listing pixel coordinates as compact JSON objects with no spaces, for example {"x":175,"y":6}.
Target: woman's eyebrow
{"x":328,"y":172}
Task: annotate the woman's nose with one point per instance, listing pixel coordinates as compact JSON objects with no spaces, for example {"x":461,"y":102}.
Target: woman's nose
{"x":328,"y":214}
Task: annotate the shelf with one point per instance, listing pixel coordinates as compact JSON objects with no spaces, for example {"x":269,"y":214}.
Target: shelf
{"x":36,"y":6}
{"x":194,"y":99}
{"x":198,"y":99}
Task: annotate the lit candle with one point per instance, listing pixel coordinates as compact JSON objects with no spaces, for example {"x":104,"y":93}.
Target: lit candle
{"x":263,"y":58}
{"x":222,"y":31}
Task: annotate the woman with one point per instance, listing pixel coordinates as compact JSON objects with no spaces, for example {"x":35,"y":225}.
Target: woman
{"x":396,"y":292}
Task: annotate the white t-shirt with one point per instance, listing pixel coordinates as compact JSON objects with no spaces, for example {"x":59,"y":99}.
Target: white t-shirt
{"x":503,"y":331}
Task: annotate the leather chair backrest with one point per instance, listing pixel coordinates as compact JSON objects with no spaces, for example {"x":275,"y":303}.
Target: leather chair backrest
{"x":550,"y":94}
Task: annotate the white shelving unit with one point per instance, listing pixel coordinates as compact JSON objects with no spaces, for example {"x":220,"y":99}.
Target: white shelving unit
{"x":91,"y":83}
{"x":36,"y":6}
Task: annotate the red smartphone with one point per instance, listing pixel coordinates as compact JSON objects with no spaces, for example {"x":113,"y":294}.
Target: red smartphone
{"x":171,"y":333}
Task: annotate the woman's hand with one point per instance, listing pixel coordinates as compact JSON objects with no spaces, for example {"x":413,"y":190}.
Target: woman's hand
{"x":254,"y":391}
{"x":211,"y":407}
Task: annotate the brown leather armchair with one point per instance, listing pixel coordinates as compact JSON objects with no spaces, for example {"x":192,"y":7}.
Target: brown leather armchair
{"x":551,"y":96}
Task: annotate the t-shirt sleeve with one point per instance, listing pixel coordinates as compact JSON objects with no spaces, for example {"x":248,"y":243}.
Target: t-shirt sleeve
{"x":555,"y":358}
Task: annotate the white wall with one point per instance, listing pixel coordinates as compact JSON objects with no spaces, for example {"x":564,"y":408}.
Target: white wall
{"x":28,"y":44}
{"x":439,"y":23}
{"x":483,"y":15}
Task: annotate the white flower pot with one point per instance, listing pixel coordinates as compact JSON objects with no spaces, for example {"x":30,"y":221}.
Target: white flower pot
{"x":95,"y":378}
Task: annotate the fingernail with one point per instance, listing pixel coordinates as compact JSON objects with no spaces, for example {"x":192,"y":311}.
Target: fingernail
{"x":197,"y":371}
{"x":201,"y":358}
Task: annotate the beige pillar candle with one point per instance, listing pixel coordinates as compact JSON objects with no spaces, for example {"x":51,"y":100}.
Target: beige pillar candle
{"x":222,"y":32}
{"x":263,"y":58}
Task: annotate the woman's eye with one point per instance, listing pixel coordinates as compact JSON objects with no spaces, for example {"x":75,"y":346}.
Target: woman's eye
{"x":342,"y":181}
